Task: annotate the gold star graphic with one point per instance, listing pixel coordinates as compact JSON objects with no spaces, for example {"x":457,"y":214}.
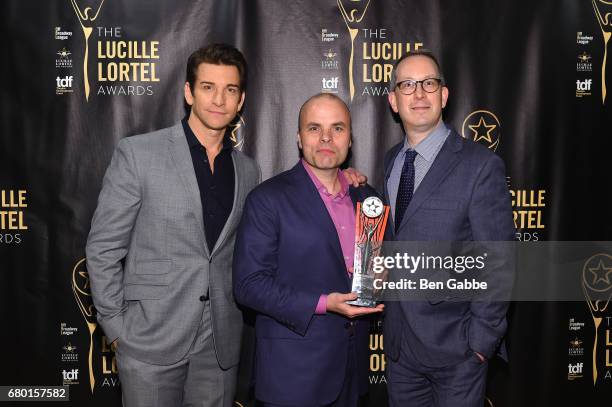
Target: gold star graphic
{"x":601,"y":273}
{"x":482,"y":130}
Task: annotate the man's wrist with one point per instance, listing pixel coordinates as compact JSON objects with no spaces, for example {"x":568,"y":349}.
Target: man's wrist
{"x":321,"y":308}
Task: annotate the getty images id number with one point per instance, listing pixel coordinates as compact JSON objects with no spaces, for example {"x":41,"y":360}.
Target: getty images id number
{"x":32,"y":393}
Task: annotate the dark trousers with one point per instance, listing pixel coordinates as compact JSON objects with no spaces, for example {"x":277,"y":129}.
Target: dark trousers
{"x":349,"y":394}
{"x":409,"y":383}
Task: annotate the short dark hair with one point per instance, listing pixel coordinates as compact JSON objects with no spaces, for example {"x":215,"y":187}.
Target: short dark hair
{"x":217,"y":54}
{"x":421,"y":52}
{"x":322,"y":95}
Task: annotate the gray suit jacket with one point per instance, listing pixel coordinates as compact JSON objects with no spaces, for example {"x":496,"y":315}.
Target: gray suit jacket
{"x":147,"y":256}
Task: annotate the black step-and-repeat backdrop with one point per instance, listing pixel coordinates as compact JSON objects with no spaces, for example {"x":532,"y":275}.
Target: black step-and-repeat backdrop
{"x":529,"y":79}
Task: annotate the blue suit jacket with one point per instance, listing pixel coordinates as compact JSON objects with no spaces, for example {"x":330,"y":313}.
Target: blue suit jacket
{"x":287,"y":254}
{"x":463,"y":197}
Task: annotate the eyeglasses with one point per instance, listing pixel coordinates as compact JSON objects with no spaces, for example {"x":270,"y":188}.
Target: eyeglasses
{"x":409,"y":86}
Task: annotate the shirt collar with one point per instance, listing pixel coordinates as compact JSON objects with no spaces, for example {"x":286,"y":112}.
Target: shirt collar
{"x":193,"y":141}
{"x":344,"y":185}
{"x":429,"y":145}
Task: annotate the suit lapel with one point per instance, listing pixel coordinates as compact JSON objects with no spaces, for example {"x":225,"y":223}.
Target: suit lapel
{"x":179,"y":150}
{"x":355,"y":196}
{"x":239,"y":190}
{"x":447,"y":159}
{"x":308,"y":196}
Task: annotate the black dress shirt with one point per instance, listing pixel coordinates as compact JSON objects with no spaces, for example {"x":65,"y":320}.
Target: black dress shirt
{"x":216,"y":188}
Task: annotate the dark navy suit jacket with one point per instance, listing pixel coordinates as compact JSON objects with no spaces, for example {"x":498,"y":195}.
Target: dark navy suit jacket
{"x":287,"y":254}
{"x":463,"y":197}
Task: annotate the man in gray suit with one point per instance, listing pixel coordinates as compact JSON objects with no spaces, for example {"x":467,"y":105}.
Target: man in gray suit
{"x":442,"y":188}
{"x":159,"y":253}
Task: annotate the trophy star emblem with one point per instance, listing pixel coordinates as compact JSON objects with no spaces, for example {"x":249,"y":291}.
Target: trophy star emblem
{"x":372,"y":207}
{"x":601,"y":273}
{"x":482,"y":130}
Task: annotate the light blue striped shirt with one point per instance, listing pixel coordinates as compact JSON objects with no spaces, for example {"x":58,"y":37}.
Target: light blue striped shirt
{"x":427,"y":151}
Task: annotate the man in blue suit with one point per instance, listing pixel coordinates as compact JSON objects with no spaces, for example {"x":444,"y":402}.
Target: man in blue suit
{"x":293,"y":264}
{"x":440,"y":187}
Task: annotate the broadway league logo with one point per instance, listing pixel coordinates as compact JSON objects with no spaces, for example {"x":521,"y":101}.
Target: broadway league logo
{"x":597,"y":288}
{"x":605,"y":23}
{"x":86,"y":22}
{"x":82,"y":294}
{"x":352,"y":14}
{"x":483,"y":127}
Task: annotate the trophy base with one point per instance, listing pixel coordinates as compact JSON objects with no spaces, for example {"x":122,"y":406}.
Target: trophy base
{"x":363,"y":302}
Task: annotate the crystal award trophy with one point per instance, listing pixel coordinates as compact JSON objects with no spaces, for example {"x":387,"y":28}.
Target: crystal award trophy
{"x":370,"y":224}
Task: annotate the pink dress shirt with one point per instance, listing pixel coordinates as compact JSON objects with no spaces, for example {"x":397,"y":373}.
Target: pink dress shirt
{"x":342,"y":213}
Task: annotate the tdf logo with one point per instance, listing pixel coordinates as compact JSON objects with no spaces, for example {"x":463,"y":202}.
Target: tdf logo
{"x":584,"y":85}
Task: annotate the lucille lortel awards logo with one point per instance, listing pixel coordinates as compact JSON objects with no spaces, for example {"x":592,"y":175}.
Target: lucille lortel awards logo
{"x":379,"y":50}
{"x":123,"y":66}
{"x":104,"y":369}
{"x":597,"y":289}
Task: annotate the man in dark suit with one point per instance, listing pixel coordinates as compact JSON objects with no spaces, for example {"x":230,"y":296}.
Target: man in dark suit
{"x":440,"y":187}
{"x":293,"y":263}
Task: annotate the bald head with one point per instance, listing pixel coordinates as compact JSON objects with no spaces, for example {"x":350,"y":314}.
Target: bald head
{"x":318,"y":96}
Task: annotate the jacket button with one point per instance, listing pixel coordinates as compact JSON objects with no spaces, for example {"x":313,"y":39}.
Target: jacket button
{"x":203,"y":298}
